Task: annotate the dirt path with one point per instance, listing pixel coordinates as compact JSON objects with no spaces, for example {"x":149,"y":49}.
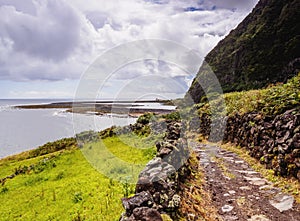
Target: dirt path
{"x":240,"y":193}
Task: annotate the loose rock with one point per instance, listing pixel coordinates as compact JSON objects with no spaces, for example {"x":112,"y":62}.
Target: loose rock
{"x":227,"y":208}
{"x":282,"y":202}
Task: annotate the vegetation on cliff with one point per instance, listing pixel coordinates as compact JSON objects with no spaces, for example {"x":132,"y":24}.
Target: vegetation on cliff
{"x":274,"y":100}
{"x":263,"y":49}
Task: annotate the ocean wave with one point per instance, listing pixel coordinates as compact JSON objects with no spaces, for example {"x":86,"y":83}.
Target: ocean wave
{"x":6,"y":108}
{"x":60,"y":113}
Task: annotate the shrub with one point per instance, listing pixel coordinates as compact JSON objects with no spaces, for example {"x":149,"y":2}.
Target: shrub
{"x":172,"y":116}
{"x":146,"y":118}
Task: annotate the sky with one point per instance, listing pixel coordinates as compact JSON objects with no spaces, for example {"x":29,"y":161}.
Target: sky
{"x":46,"y":46}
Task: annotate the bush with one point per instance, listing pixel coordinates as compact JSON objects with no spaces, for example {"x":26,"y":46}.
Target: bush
{"x":146,"y":118}
{"x":43,"y":165}
{"x":87,"y":136}
{"x":175,"y":116}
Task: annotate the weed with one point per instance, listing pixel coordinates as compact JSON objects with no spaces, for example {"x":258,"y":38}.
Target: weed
{"x":127,"y":187}
{"x":53,"y":195}
{"x":77,"y":197}
{"x":197,"y":200}
{"x":4,"y":190}
{"x":59,"y":176}
{"x":34,"y":180}
{"x":78,"y":217}
{"x":223,"y":167}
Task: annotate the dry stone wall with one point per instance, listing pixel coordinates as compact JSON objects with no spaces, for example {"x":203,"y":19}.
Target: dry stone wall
{"x":157,"y":187}
{"x":275,"y":141}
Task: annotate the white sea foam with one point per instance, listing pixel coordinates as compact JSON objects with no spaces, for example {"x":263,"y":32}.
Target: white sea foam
{"x":60,"y":113}
{"x":6,"y":108}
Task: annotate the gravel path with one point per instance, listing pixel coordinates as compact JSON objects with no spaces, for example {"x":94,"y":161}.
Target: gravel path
{"x":240,"y":193}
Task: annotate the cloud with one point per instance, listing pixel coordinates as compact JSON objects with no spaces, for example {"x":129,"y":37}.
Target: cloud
{"x":56,"y":40}
{"x":154,"y":86}
{"x":37,"y":89}
{"x":51,"y":35}
{"x":234,"y":4}
{"x":25,"y":6}
{"x":45,"y":45}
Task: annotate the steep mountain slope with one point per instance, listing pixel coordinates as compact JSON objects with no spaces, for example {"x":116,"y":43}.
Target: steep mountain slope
{"x":263,"y":49}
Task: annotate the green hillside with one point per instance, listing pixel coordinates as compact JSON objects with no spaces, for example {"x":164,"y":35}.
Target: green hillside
{"x":63,"y":185}
{"x":263,"y":49}
{"x":271,"y":101}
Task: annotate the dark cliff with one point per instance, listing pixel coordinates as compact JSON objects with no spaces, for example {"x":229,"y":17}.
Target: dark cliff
{"x":263,"y":49}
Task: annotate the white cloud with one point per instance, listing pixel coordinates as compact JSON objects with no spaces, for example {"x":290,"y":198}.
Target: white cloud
{"x":55,"y":40}
{"x":52,"y":44}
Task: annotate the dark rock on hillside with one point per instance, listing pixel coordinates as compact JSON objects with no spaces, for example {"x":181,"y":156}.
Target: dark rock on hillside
{"x":145,"y":214}
{"x":141,"y":199}
{"x":263,"y":49}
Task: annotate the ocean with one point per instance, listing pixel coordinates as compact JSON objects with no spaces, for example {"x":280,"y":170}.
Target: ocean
{"x":25,"y":129}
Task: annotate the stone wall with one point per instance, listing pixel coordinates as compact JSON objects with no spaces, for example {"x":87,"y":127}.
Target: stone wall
{"x":157,"y":187}
{"x":275,"y":141}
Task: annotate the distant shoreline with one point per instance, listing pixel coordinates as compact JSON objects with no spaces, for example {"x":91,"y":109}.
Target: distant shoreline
{"x":131,"y":108}
{"x":52,"y":120}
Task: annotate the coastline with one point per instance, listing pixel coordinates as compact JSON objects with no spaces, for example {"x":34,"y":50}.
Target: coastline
{"x":130,"y":108}
{"x":106,"y":109}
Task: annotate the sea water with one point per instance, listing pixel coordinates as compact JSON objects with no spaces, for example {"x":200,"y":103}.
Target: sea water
{"x":25,"y":129}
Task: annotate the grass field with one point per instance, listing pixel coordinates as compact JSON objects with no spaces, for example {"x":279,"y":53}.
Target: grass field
{"x":65,"y":186}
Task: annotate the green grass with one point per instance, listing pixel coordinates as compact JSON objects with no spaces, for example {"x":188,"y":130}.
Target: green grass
{"x":68,"y":187}
{"x":269,"y":101}
{"x":121,"y":158}
{"x":50,"y":147}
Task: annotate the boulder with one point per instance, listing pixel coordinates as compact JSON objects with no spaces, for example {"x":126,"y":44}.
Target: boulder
{"x":138,"y":200}
{"x":145,"y":214}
